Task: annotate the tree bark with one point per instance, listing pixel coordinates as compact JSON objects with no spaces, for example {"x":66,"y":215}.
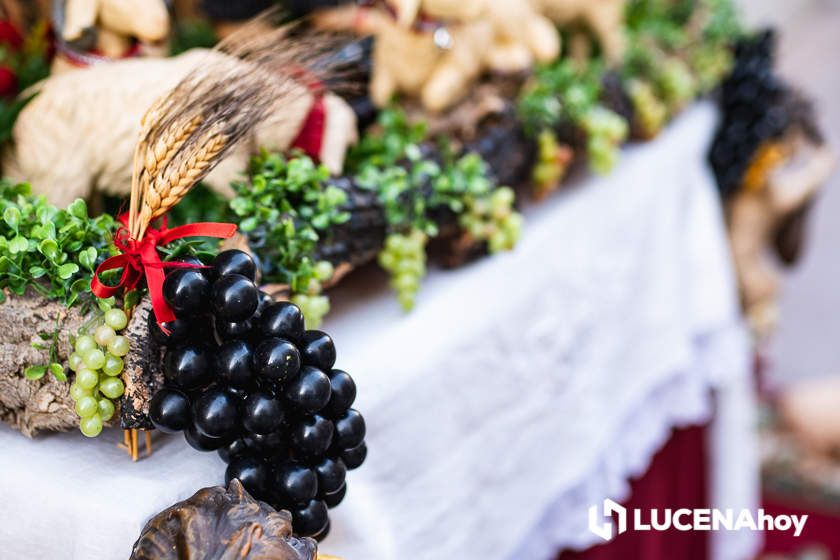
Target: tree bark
{"x":143,"y":374}
{"x":42,"y":405}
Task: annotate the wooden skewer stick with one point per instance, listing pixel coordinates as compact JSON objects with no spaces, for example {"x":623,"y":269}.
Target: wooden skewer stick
{"x":131,"y":443}
{"x":134,"y":451}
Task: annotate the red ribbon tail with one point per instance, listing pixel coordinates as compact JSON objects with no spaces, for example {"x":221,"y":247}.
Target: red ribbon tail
{"x":129,"y":279}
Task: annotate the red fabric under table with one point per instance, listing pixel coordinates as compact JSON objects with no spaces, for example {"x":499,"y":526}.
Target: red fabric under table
{"x":677,"y":478}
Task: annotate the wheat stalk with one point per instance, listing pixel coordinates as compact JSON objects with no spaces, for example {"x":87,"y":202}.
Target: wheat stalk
{"x":187,"y":132}
{"x":164,"y":193}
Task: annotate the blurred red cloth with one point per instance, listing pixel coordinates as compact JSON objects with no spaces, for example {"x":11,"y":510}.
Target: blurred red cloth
{"x":676,"y":478}
{"x":10,"y":41}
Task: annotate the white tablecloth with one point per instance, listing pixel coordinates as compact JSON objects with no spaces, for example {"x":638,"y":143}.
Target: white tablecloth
{"x":523,"y":389}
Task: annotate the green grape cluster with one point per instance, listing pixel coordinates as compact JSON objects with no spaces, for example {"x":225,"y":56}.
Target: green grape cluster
{"x":710,"y":63}
{"x":404,"y":257}
{"x":493,"y":219}
{"x":551,"y":164}
{"x":676,"y":83}
{"x":650,"y":112}
{"x":98,"y":362}
{"x":605,"y":131}
{"x":314,"y":304}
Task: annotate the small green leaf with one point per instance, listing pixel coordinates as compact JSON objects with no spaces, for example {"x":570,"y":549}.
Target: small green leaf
{"x":65,"y":271}
{"x":49,"y":248}
{"x":248,"y":224}
{"x":78,"y":209}
{"x":58,"y":372}
{"x":35,"y":372}
{"x":87,"y":258}
{"x":37,"y":271}
{"x":11,"y":216}
{"x":18,"y":244}
{"x":131,"y":299}
{"x":106,"y":303}
{"x":80,"y":285}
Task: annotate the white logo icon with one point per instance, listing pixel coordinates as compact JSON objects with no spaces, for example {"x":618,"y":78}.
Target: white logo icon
{"x":684,"y":519}
{"x":604,"y":530}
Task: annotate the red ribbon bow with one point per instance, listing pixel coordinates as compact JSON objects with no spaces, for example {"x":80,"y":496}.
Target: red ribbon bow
{"x":140,"y":259}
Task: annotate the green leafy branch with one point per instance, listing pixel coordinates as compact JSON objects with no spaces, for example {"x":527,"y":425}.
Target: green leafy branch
{"x":49,"y":250}
{"x":284,"y":207}
{"x":414,"y":184}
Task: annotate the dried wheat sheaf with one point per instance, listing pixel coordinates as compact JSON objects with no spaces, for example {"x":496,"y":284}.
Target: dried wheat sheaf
{"x":187,"y":132}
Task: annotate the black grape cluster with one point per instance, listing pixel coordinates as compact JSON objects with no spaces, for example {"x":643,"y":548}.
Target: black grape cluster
{"x":244,"y":378}
{"x":753,"y":110}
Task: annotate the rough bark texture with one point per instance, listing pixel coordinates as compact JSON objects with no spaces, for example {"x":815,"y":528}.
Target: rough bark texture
{"x":45,"y":404}
{"x":143,"y":374}
{"x":219,"y":524}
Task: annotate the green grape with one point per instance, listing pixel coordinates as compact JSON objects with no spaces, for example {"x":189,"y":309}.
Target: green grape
{"x":112,"y":387}
{"x":676,"y":83}
{"x":502,"y":200}
{"x":411,"y":267}
{"x":104,"y":335}
{"x":324,"y":270}
{"x":479,"y":230}
{"x":77,"y":392}
{"x":602,"y":154}
{"x":313,"y":287}
{"x":75,"y":362}
{"x":404,"y":257}
{"x":94,"y":359}
{"x":497,"y":242}
{"x":106,"y":409}
{"x":406,"y":300}
{"x":710,"y":64}
{"x":394,"y":243}
{"x":113,"y":365}
{"x":493,"y":220}
{"x":87,"y":378}
{"x":84,"y":344}
{"x":314,"y":308}
{"x":91,"y":426}
{"x":650,"y":112}
{"x":119,"y":346}
{"x":87,"y":406}
{"x":387,"y":260}
{"x":322,"y":305}
{"x":116,"y":319}
{"x":406,"y":282}
{"x":513,"y":227}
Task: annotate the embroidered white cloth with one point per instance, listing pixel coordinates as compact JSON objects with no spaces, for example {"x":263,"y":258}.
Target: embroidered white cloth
{"x":523,"y":389}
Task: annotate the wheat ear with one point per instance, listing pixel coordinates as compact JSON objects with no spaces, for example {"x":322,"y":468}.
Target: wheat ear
{"x":186,"y":133}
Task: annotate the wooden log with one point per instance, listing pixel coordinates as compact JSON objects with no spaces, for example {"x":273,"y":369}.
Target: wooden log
{"x":32,"y":406}
{"x":143,"y":374}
